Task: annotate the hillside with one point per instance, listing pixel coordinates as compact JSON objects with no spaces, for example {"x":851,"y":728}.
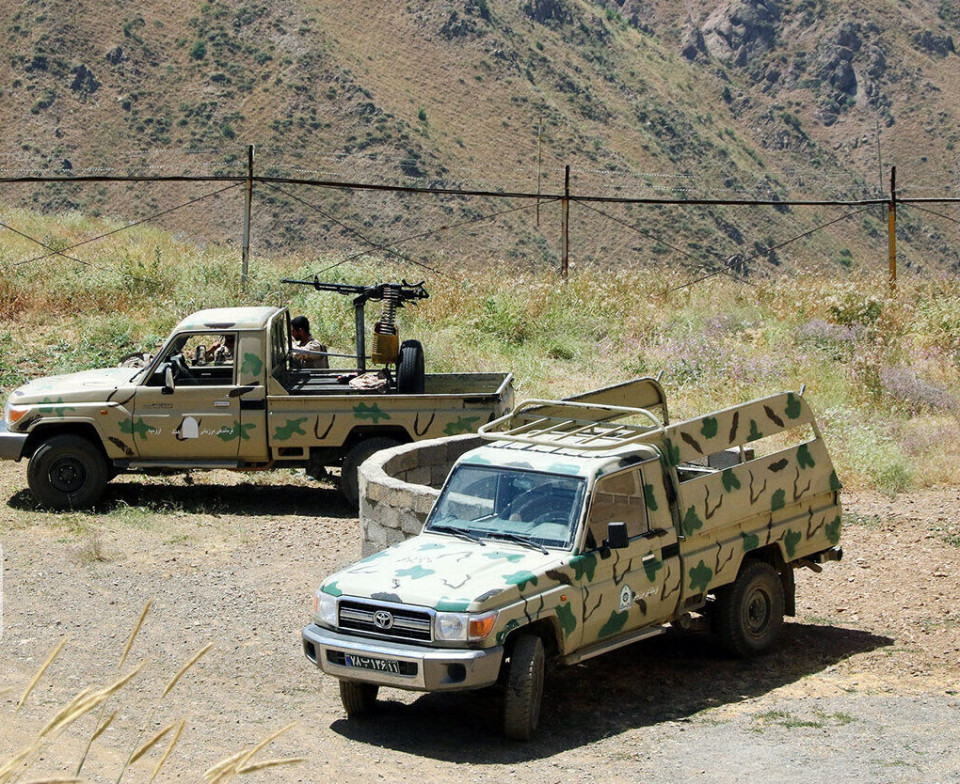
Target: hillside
{"x":743,"y":99}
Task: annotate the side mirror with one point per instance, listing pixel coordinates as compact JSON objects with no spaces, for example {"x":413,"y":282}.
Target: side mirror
{"x":617,"y":537}
{"x":168,"y":385}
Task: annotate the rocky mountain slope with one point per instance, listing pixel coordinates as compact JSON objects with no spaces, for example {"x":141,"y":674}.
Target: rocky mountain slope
{"x":731,"y":99}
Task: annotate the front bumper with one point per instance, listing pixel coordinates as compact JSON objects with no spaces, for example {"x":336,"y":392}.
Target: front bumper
{"x":418,"y":667}
{"x":11,"y":444}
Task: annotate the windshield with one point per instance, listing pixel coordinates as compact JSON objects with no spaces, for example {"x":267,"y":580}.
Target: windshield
{"x":509,"y":504}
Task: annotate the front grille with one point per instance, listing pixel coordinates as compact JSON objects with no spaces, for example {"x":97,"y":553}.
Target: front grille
{"x":396,"y":622}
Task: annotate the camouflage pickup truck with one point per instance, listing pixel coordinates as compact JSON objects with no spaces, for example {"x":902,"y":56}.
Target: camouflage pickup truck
{"x":584,"y":525}
{"x":227,"y":391}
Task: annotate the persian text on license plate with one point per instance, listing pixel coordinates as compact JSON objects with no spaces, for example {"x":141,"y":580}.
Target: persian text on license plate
{"x":372,"y":663}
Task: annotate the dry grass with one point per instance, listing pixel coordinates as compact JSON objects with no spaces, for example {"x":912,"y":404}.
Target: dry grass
{"x":40,"y":751}
{"x":882,"y":368}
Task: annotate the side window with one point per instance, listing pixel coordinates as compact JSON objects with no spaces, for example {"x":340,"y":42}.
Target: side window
{"x":618,"y":498}
{"x":201,"y":359}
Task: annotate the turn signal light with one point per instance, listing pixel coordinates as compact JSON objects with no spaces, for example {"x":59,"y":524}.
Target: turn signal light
{"x":482,"y":626}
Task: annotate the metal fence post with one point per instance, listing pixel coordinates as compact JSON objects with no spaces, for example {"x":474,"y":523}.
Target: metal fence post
{"x":248,"y":206}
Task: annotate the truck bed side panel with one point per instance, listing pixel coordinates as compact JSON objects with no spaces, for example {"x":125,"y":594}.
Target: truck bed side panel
{"x":779,"y":499}
{"x":308,"y":421}
{"x":787,"y":498}
{"x":707,"y":435}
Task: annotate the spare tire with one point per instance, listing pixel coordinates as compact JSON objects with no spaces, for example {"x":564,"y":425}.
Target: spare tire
{"x":410,"y":374}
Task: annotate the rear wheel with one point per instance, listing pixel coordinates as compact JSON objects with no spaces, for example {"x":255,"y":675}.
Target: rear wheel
{"x":359,"y":699}
{"x":749,"y":614}
{"x":349,"y":479}
{"x":524,"y":688}
{"x":67,"y":472}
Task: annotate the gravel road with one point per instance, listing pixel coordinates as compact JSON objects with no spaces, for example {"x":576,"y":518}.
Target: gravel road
{"x":865,"y":685}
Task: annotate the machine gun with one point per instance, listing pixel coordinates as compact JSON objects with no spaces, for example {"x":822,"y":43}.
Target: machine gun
{"x":386,"y":348}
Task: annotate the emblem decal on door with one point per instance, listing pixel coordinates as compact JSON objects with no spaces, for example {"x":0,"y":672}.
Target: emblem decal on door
{"x":626,"y":597}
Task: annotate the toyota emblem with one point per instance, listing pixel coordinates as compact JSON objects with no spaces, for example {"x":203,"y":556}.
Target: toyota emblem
{"x":383,"y":619}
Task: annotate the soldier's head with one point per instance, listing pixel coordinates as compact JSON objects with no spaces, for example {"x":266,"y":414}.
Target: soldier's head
{"x":300,"y":328}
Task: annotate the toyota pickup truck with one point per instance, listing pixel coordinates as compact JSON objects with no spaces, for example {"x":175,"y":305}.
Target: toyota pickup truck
{"x":227,"y":391}
{"x":585,"y":525}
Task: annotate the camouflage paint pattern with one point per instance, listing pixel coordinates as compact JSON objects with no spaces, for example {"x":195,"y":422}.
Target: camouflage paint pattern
{"x":786,"y":499}
{"x":692,"y":539}
{"x":203,"y":423}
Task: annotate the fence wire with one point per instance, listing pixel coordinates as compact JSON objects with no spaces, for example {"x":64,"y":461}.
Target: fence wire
{"x":333,"y":208}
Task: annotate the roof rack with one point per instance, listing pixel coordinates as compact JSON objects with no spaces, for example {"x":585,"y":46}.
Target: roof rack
{"x":571,"y":425}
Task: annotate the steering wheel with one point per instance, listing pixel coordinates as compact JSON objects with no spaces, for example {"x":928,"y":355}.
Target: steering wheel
{"x":544,"y":505}
{"x":180,"y":368}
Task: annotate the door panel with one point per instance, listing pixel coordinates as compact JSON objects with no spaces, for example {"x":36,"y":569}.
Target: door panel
{"x":199,"y":419}
{"x":635,"y":586}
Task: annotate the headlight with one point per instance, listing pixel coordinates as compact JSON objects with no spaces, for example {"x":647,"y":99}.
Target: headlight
{"x":464,"y":627}
{"x":325,"y":605}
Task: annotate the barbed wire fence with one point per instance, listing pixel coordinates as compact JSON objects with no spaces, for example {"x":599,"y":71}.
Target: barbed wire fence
{"x":267,"y":204}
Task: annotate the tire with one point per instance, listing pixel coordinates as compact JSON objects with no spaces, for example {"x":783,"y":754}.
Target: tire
{"x":67,"y":472}
{"x":410,"y":373}
{"x":523,"y":692}
{"x":349,"y":481}
{"x":749,"y":614}
{"x":359,"y":699}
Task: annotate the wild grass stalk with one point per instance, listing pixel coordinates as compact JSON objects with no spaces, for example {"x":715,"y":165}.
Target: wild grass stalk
{"x":88,"y":699}
{"x":241,"y":763}
{"x":136,"y":752}
{"x":166,"y":754}
{"x":55,"y":651}
{"x":101,"y":726}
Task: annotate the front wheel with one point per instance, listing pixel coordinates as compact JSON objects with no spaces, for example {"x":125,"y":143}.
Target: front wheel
{"x":750,"y":612}
{"x":524,"y":688}
{"x":359,"y":699}
{"x":67,"y":472}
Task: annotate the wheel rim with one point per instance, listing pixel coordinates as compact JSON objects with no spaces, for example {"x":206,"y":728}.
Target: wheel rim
{"x":756,"y":612}
{"x":67,"y":475}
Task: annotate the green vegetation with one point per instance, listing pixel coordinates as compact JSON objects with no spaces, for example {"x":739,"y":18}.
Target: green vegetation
{"x":786,"y":719}
{"x":882,"y":372}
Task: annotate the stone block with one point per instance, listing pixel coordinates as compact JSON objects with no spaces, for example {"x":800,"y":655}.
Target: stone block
{"x":410,"y":522}
{"x":438,"y":475}
{"x":375,"y":533}
{"x":387,"y":516}
{"x":423,"y":502}
{"x":401,"y":462}
{"x":421,"y":475}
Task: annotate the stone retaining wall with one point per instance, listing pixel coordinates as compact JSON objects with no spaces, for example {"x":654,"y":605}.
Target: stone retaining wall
{"x":398,"y":487}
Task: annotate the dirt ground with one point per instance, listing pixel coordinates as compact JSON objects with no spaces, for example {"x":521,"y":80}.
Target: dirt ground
{"x":864,"y":686}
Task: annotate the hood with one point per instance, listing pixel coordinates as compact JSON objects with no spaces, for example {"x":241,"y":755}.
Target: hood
{"x":446,"y":573}
{"x":87,"y":385}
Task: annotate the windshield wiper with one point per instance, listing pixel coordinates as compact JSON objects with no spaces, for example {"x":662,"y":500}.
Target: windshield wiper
{"x":449,"y":529}
{"x":525,"y":541}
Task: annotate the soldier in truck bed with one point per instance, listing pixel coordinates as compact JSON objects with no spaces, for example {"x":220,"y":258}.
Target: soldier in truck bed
{"x":304,"y":342}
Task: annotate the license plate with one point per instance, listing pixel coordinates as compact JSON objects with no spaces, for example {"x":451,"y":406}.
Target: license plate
{"x":371,"y":663}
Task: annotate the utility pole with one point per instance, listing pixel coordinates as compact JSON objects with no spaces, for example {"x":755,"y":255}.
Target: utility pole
{"x":248,"y":206}
{"x":539,"y":164}
{"x":565,"y":219}
{"x":892,"y":228}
